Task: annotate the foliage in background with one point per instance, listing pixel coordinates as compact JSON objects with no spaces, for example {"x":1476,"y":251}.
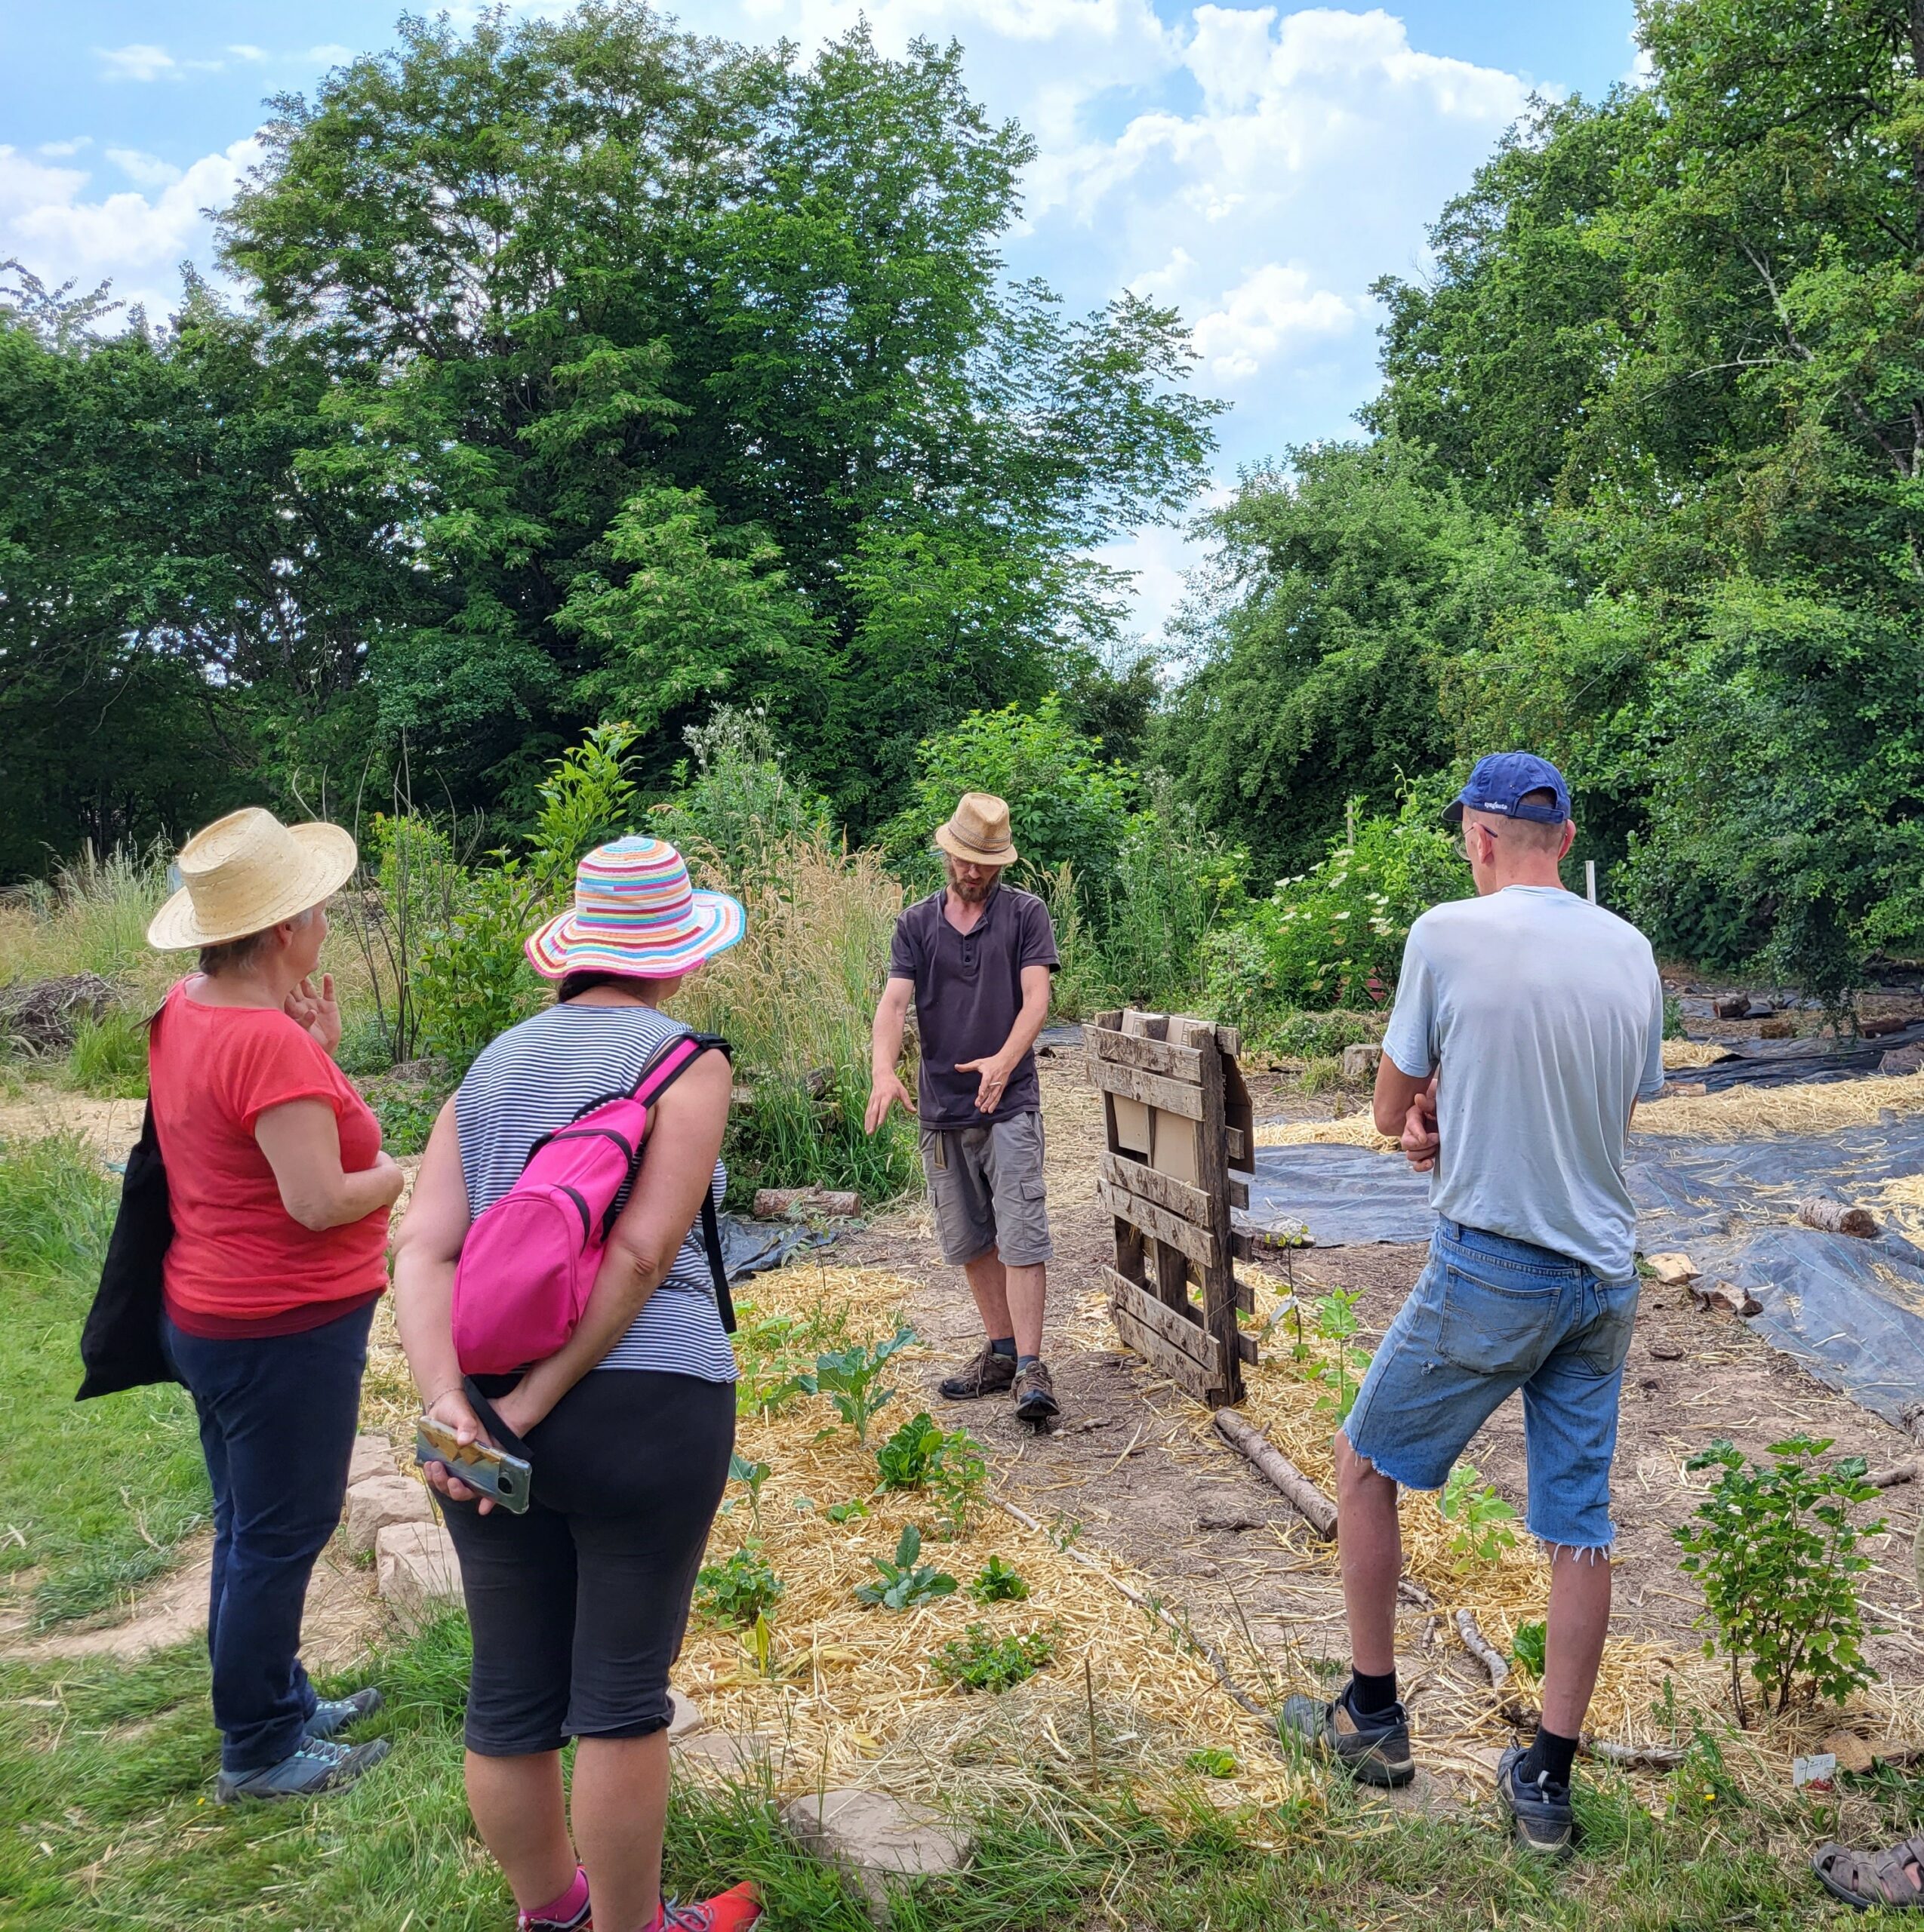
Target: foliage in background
{"x":1777,"y":1553}
{"x":108,"y":1055}
{"x":736,"y":809}
{"x":1333,"y":936}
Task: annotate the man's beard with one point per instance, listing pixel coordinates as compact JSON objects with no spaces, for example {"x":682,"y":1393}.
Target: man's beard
{"x":970,"y":892}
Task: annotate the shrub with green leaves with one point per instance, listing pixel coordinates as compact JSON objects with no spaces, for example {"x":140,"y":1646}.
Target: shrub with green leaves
{"x":1776,"y":1550}
{"x":906,"y":1582}
{"x":1321,"y":937}
{"x":741,"y":1590}
{"x":998,"y":1583}
{"x":1528,"y":1647}
{"x":921,"y":1455}
{"x":1336,"y":1325}
{"x":851,"y":1379}
{"x":1480,"y":1518}
{"x":980,"y":1661}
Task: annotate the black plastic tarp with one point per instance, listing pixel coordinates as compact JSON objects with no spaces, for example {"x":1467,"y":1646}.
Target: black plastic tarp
{"x":1779,"y":1063}
{"x":1852,"y":1311}
{"x":748,"y":1246}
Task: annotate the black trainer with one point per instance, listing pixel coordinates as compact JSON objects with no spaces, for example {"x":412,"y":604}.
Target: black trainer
{"x":1375,"y":1749}
{"x":1546,"y":1819}
{"x":332,"y":1715}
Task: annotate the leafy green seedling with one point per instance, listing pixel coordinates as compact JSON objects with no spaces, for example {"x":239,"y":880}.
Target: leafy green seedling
{"x":1212,"y":1763}
{"x":984,"y":1663}
{"x":752,"y":1475}
{"x":847,"y":1512}
{"x":907,"y":1582}
{"x":998,"y":1583}
{"x":739,"y":1590}
{"x":850,"y":1378}
{"x":1336,"y":1324}
{"x":1478,"y":1515}
{"x":1776,"y":1552}
{"x":1527,"y":1647}
{"x":921,"y":1456}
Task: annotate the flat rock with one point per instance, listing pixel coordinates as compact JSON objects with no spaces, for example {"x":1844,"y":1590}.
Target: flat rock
{"x":876,"y":1838}
{"x":373,"y":1456}
{"x":1903,"y":1060}
{"x":380,"y":1500}
{"x":684,"y":1717}
{"x":1671,"y":1268}
{"x":1726,"y":1297}
{"x":417,"y":1572}
{"x":734,"y":1756}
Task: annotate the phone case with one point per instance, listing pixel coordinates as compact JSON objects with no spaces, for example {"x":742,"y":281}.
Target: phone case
{"x":493,"y":1472}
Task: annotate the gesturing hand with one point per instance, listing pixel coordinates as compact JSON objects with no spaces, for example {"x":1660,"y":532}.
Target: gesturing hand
{"x":994,"y":1081}
{"x":319,"y":1013}
{"x":885,"y":1094}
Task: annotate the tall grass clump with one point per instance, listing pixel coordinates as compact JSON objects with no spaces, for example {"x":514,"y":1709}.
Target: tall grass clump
{"x":108,"y":1055}
{"x":56,"y":1208}
{"x":795,"y":999}
{"x":91,"y":917}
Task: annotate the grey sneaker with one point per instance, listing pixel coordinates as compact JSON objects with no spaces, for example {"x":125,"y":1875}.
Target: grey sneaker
{"x":987,"y":1374}
{"x":320,"y":1764}
{"x":1375,"y":1749}
{"x":1035,"y":1395}
{"x":332,"y":1715}
{"x":1546,"y":1819}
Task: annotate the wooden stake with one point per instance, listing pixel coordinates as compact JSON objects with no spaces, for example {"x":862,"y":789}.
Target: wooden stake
{"x":1089,"y":1693}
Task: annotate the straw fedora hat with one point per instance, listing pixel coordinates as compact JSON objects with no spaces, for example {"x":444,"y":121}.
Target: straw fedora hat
{"x":979,"y":831}
{"x":635,"y":911}
{"x":248,"y":872}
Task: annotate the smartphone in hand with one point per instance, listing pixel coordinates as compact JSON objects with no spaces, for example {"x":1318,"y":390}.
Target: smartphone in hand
{"x":493,"y":1472}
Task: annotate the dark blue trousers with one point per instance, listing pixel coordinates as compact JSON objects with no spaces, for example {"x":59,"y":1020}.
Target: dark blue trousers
{"x":277,"y":1422}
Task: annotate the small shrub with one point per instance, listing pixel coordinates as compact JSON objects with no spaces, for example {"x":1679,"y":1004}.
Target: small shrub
{"x":1323,"y":1074}
{"x":1528,"y":1647}
{"x":1479,"y":1517}
{"x":1777,"y":1553}
{"x":406,"y":1117}
{"x":108,"y":1055}
{"x":980,"y":1662}
{"x":736,"y":807}
{"x":907,"y":1582}
{"x":739,"y":1590}
{"x":851,"y":1379}
{"x":998,"y":1583}
{"x":1336,"y":1324}
{"x":366,"y":1048}
{"x":1310,"y":1034}
{"x":1212,"y":1763}
{"x":921,"y":1456}
{"x":751,"y":1476}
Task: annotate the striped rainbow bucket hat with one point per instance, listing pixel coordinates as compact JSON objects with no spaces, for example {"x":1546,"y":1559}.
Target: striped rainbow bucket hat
{"x":636,"y":912}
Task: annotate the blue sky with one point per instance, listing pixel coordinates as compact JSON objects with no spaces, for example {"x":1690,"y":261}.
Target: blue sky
{"x":1258,"y":166}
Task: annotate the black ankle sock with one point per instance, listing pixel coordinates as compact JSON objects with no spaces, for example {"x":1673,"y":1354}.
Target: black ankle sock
{"x":1003,"y":1345}
{"x":1549,"y":1753}
{"x":1026,"y":1361}
{"x":1371,"y":1697}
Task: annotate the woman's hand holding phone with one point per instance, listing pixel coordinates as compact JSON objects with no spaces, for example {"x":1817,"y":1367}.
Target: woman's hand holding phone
{"x":452,"y":1410}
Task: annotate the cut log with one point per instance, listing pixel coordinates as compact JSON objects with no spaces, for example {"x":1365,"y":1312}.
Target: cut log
{"x":1303,"y":1496}
{"x":1734,"y":1008}
{"x":772,"y":1203}
{"x":1480,"y":1647}
{"x":1834,"y":1216}
{"x":1895,"y":1477}
{"x":1876,"y":1029}
{"x":1359,"y":1061}
{"x":1726,"y":1297}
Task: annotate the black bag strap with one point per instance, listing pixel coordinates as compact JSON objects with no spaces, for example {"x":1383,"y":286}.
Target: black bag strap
{"x":711,"y":1228}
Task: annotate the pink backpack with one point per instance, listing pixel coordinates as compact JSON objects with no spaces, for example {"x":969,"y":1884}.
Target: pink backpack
{"x":530,"y":1261}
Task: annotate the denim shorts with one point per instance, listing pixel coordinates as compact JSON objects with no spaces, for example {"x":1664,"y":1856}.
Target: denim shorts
{"x":1488,"y":1315}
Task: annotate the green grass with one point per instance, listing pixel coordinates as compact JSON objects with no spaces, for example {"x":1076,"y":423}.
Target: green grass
{"x":94,"y":1497}
{"x":109,"y":1056}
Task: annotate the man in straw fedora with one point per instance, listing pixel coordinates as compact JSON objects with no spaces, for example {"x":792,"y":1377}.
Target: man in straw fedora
{"x":976,"y":956}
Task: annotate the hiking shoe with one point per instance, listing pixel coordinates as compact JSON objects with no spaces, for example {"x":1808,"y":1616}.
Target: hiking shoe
{"x":320,"y":1764}
{"x":987,"y":1374}
{"x":1546,"y":1821}
{"x":1035,"y":1395}
{"x":739,"y":1906}
{"x":332,"y":1715}
{"x":1375,"y":1749}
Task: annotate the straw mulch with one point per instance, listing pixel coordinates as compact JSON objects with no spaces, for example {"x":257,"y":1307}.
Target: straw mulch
{"x":1693,"y":1053}
{"x":1735,"y":1114}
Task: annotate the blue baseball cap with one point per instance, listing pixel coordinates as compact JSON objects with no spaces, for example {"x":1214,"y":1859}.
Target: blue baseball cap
{"x":1499,"y":783}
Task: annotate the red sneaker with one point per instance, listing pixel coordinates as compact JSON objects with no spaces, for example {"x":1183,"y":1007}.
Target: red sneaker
{"x":739,"y":1906}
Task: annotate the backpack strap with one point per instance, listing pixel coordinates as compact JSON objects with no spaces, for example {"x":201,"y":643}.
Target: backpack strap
{"x":661,"y":1072}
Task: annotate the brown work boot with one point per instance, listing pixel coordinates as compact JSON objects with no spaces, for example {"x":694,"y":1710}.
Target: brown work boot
{"x":1035,"y":1395}
{"x":987,"y":1374}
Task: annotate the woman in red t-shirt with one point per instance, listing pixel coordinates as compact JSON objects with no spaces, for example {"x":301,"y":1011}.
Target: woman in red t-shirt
{"x":279,"y":1195}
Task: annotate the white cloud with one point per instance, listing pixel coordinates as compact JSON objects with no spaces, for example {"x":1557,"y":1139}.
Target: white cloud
{"x":60,"y":150}
{"x":138,"y":61}
{"x":148,"y":170}
{"x":330,"y":54}
{"x":136,"y":240}
{"x":242,"y":51}
{"x":1276,"y":309}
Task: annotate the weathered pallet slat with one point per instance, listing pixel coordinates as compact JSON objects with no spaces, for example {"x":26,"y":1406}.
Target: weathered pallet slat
{"x":1180,"y":1330}
{"x":1164,"y":1190}
{"x":1183,"y":1064}
{"x":1157,"y":1222}
{"x":1184,"y":1370}
{"x":1153,"y":1090}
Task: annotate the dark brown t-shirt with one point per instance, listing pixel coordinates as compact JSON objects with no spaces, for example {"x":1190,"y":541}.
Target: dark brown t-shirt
{"x":968,"y":990}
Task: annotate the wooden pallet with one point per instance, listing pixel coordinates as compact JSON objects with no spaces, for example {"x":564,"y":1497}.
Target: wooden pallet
{"x":1178,"y":1118}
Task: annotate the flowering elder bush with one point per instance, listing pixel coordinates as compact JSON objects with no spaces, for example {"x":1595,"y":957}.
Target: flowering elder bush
{"x":1322,"y":936}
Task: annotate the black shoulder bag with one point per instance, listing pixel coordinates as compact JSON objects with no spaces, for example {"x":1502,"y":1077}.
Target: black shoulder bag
{"x":120,"y":1347}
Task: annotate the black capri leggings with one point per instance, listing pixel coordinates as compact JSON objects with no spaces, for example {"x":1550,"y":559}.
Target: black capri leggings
{"x":578,"y":1606}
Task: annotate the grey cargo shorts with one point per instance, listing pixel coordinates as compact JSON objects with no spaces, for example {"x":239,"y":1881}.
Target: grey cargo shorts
{"x":985,"y":1185}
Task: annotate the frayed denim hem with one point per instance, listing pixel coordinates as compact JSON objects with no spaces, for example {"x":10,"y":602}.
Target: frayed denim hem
{"x":1592,"y":1552}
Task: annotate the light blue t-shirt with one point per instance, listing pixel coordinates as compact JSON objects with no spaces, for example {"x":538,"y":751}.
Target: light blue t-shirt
{"x":1546,"y":1015}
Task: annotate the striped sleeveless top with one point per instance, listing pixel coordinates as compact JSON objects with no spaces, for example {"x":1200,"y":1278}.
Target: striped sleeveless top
{"x":537,"y":1077}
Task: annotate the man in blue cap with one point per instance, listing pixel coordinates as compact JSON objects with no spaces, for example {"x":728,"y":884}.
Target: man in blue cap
{"x":1528,"y":1024}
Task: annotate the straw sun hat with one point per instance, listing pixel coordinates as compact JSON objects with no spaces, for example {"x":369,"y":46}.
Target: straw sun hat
{"x":248,"y":872}
{"x":978,"y":833}
{"x":636,"y":912}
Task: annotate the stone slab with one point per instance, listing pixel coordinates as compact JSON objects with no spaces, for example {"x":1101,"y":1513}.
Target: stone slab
{"x":735,"y":1757}
{"x":380,"y":1500}
{"x":684,"y":1717}
{"x":875,"y":1839}
{"x":417,"y":1572}
{"x":373,"y":1456}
